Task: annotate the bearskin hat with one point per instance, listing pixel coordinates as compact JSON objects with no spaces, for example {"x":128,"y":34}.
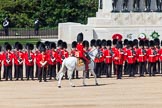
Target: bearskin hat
{"x":115,"y":41}
{"x":8,"y":47}
{"x":135,"y":42}
{"x":0,"y":48}
{"x":74,"y":44}
{"x":161,"y":42}
{"x":42,"y":47}
{"x":93,"y":42}
{"x":119,"y":44}
{"x":47,"y":44}
{"x":80,"y":37}
{"x":146,"y":43}
{"x":31,"y":46}
{"x":64,"y":45}
{"x":125,"y":41}
{"x":156,"y":41}
{"x":152,"y":43}
{"x":19,"y":46}
{"x":109,"y":43}
{"x":141,"y":43}
{"x":130,"y":43}
{"x":52,"y":45}
{"x":59,"y":43}
{"x":27,"y":46}
{"x":103,"y":42}
{"x":16,"y":45}
{"x":38,"y":43}
{"x":85,"y":43}
{"x":98,"y":42}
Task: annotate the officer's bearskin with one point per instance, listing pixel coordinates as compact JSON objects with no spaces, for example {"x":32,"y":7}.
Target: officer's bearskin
{"x":80,"y":37}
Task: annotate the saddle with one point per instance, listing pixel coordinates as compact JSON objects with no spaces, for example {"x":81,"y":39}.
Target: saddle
{"x":80,"y":62}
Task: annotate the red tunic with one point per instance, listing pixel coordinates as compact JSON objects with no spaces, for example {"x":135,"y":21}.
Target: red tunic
{"x":118,"y":58}
{"x":160,"y":54}
{"x":29,"y":59}
{"x":52,"y":55}
{"x":107,"y":54}
{"x":42,"y":58}
{"x":130,"y":56}
{"x":151,"y":55}
{"x":125,"y":54}
{"x":1,"y":58}
{"x":18,"y":55}
{"x":7,"y":56}
{"x":141,"y":53}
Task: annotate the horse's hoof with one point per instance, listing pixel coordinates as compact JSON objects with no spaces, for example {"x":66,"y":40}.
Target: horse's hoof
{"x":59,"y":86}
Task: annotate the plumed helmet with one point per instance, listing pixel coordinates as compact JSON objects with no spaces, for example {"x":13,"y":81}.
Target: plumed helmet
{"x":38,"y":43}
{"x":74,"y":44}
{"x":125,"y":41}
{"x":52,"y":45}
{"x":109,"y":43}
{"x":141,"y":43}
{"x":8,"y":47}
{"x":93,"y":42}
{"x":31,"y":46}
{"x":85,"y":44}
{"x":64,"y":45}
{"x":119,"y":44}
{"x":98,"y":42}
{"x":146,"y":43}
{"x":152,"y":43}
{"x":59,"y":43}
{"x":115,"y":41}
{"x":156,"y":41}
{"x":103,"y":42}
{"x":80,"y":37}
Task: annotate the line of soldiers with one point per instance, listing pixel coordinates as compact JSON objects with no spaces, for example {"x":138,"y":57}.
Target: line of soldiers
{"x":131,"y":57}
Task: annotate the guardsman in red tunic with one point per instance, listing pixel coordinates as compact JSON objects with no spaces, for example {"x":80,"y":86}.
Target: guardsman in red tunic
{"x":29,"y":57}
{"x":103,"y":48}
{"x":135,"y":47}
{"x":1,"y":60}
{"x":37,"y":52}
{"x":125,"y":48}
{"x":151,"y":53}
{"x":59,"y":52}
{"x":118,"y":60}
{"x":114,"y":49}
{"x":42,"y":63}
{"x":52,"y":60}
{"x":131,"y":56}
{"x":8,"y":58}
{"x":157,"y":47}
{"x":141,"y":53}
{"x":108,"y":54}
{"x":160,"y":56}
{"x":97,"y":59}
{"x":80,"y":51}
{"x":18,"y":61}
{"x":72,"y":53}
{"x":146,"y":47}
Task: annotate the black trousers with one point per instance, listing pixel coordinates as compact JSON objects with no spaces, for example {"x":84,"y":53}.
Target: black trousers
{"x":114,"y":4}
{"x":30,"y":72}
{"x":36,"y":72}
{"x":136,"y":4}
{"x":19,"y":72}
{"x":146,"y":67}
{"x":52,"y":71}
{"x":148,"y":4}
{"x":8,"y":72}
{"x":157,"y":67}
{"x":103,"y":72}
{"x":151,"y":68}
{"x":108,"y":69}
{"x":126,"y":68}
{"x":131,"y":70}
{"x":98,"y":69}
{"x":75,"y":74}
{"x":0,"y":72}
{"x":125,"y":4}
{"x":119,"y":69}
{"x":42,"y":72}
{"x":158,"y":4}
{"x":142,"y":68}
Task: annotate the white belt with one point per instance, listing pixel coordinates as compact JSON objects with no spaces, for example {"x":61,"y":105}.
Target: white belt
{"x":108,"y":56}
{"x":151,"y":55}
{"x":141,"y":55}
{"x":130,"y":56}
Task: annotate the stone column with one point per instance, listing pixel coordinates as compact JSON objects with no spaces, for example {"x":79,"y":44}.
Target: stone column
{"x":107,"y":5}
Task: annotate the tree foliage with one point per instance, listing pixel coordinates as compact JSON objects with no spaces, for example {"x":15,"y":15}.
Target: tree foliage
{"x":22,"y":13}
